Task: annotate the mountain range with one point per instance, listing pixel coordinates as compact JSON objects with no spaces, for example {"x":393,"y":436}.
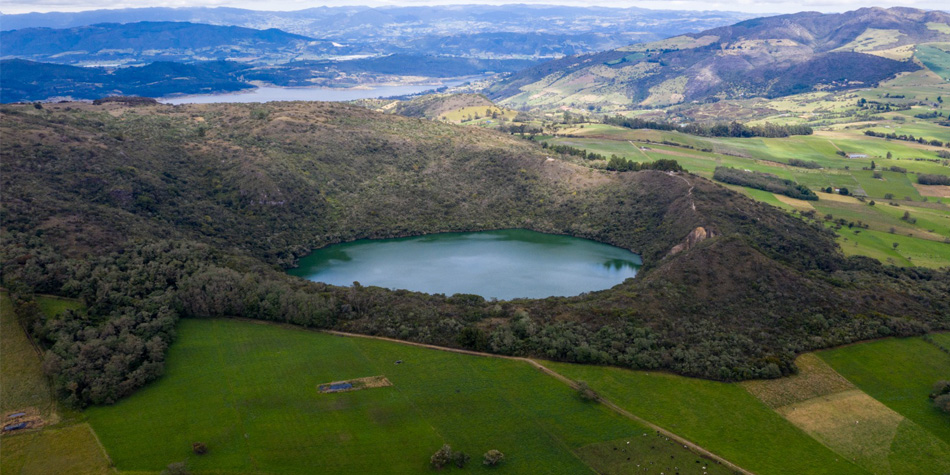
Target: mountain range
{"x":488,"y":31}
{"x":772,"y":56}
{"x":146,"y":41}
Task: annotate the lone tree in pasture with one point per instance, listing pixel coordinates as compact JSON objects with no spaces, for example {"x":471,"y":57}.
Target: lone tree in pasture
{"x":441,"y":457}
{"x":493,"y":457}
{"x":585,"y":392}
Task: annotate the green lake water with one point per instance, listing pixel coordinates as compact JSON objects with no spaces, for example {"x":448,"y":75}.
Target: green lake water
{"x":505,"y":264}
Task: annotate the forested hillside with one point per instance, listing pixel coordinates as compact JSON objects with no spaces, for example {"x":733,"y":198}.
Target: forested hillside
{"x":153,"y":213}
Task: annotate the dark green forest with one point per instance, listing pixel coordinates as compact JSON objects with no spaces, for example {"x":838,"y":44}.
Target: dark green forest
{"x":153,"y":213}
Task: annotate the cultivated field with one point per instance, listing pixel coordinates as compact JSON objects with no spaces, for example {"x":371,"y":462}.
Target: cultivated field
{"x":922,"y":236}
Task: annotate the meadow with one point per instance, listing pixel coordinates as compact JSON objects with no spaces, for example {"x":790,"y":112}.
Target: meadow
{"x":249,"y":391}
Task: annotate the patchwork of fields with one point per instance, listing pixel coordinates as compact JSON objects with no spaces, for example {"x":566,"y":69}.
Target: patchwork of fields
{"x":250,"y":392}
{"x":922,"y":235}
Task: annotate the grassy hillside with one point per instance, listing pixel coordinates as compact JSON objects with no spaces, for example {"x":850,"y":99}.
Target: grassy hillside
{"x":24,"y":385}
{"x":254,"y":401}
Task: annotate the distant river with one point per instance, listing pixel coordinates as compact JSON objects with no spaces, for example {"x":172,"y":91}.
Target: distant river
{"x":503,"y":264}
{"x":329,"y":94}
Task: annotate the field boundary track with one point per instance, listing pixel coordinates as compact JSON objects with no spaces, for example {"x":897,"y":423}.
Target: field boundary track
{"x":550,"y":372}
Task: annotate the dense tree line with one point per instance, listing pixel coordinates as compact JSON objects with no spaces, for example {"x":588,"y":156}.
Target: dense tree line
{"x":573,"y":151}
{"x":795,"y":162}
{"x":621,"y":164}
{"x":905,"y":137}
{"x":764,"y":181}
{"x":732,"y":129}
{"x":932,"y":179}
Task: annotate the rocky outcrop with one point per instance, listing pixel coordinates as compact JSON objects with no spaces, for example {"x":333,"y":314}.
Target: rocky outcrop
{"x":695,"y":237}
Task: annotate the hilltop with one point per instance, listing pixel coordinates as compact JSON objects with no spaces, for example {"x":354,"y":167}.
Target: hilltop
{"x":152,"y":213}
{"x":773,"y":56}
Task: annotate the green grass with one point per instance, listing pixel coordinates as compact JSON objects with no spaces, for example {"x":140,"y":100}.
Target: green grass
{"x":249,"y":392}
{"x":909,"y":251}
{"x":898,"y":373}
{"x":935,"y":59}
{"x":53,"y":306}
{"x":631,"y":455}
{"x":942,"y":340}
{"x":723,"y":418}
{"x":72,"y":449}
{"x":894,"y":183}
{"x":22,"y":381}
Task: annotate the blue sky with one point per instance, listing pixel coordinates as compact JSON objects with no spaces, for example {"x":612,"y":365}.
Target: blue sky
{"x":753,"y":6}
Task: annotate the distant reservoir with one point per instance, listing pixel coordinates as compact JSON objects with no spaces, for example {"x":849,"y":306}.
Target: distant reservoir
{"x":325,"y":94}
{"x":503,"y":264}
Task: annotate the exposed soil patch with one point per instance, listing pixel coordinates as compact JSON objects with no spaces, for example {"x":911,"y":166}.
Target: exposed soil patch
{"x":941,"y":191}
{"x":354,"y":384}
{"x":15,"y":422}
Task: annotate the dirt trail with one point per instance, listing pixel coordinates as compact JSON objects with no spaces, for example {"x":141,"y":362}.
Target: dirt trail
{"x":564,"y":379}
{"x":689,"y":193}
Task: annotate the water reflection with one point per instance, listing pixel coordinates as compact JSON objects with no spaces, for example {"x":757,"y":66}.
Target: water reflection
{"x":502,"y":264}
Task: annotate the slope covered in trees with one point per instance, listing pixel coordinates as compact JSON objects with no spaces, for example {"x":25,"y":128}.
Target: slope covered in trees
{"x":153,"y":213}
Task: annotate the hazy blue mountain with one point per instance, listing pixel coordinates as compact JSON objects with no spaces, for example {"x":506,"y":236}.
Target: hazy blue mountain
{"x":22,"y":80}
{"x":384,"y":30}
{"x":149,"y":41}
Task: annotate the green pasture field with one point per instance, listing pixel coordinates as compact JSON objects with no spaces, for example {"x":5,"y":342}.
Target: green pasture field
{"x":249,"y":391}
{"x":910,"y":250}
{"x":897,"y":184}
{"x":59,"y":450}
{"x":724,"y":418}
{"x":898,"y":372}
{"x":22,"y":381}
{"x":936,"y":59}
